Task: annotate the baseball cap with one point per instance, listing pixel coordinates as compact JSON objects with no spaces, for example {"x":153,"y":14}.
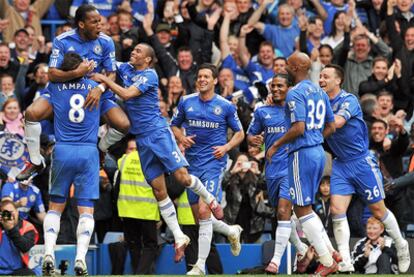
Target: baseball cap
{"x":163,"y":27}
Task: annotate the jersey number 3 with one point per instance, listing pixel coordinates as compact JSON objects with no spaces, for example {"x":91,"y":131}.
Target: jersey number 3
{"x":76,"y":112}
{"x":316,"y":114}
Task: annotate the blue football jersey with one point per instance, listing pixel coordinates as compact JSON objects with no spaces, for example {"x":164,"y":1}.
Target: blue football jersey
{"x":144,"y":110}
{"x":208,"y":121}
{"x":100,"y":50}
{"x":307,"y":102}
{"x":350,"y":141}
{"x":271,"y":120}
{"x":32,"y":193}
{"x":72,"y":122}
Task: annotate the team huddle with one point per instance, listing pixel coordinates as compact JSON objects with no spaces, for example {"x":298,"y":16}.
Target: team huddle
{"x":293,"y":125}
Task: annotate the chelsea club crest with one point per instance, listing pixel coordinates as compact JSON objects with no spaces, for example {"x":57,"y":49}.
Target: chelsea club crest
{"x":12,"y":150}
{"x":97,"y":49}
{"x":217,"y":110}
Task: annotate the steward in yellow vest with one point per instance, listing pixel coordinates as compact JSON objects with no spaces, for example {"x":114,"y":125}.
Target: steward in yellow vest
{"x":138,"y":209}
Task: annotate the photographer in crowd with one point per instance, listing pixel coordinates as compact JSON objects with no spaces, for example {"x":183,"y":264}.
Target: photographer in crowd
{"x":16,"y":238}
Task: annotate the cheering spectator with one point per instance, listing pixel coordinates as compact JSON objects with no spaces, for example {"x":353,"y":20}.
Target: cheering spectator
{"x":279,"y":65}
{"x":358,"y":63}
{"x":322,"y":204}
{"x":18,"y":237}
{"x":175,"y":92}
{"x":22,"y":13}
{"x":25,"y":196}
{"x":11,"y":117}
{"x":7,"y":89}
{"x":402,"y":45}
{"x":7,"y":65}
{"x":376,"y":253}
{"x":336,"y":36}
{"x":281,"y":36}
{"x":105,"y":7}
{"x":382,"y":78}
{"x":241,"y":185}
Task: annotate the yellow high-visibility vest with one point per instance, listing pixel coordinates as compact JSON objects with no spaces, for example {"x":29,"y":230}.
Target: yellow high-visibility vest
{"x":136,"y":199}
{"x":185,"y":214}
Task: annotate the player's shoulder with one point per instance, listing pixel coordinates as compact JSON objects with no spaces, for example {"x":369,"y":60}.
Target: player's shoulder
{"x":223,"y":100}
{"x":104,"y":37}
{"x":66,"y":35}
{"x":262,"y":109}
{"x":190,"y":97}
{"x":347,"y":95}
{"x":35,"y":189}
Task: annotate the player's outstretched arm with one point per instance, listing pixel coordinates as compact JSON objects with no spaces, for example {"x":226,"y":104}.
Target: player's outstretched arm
{"x":124,"y":93}
{"x":297,"y":129}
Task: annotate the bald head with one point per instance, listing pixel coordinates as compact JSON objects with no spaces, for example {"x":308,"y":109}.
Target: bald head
{"x":300,"y":61}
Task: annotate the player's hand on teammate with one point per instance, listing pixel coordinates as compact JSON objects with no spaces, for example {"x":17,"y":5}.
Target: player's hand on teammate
{"x":85,"y":67}
{"x":269,"y":154}
{"x":220,"y":151}
{"x":188,"y":141}
{"x":93,"y":98}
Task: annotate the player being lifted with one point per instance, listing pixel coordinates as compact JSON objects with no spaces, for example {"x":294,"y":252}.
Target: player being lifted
{"x":310,"y":119}
{"x":98,"y":52}
{"x":157,"y":147}
{"x":355,"y":170}
{"x":75,"y":160}
{"x":206,"y":117}
{"x":270,"y":120}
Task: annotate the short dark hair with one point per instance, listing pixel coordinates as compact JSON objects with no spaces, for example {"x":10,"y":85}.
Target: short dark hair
{"x":327,"y":46}
{"x":378,"y":120}
{"x":385,"y":93}
{"x":284,"y":76}
{"x":71,"y":60}
{"x":150,"y":53}
{"x":265,"y":43}
{"x":339,"y":71}
{"x":379,"y":59}
{"x":210,"y":67}
{"x":82,"y":11}
{"x":280,"y":58}
{"x":184,"y":49}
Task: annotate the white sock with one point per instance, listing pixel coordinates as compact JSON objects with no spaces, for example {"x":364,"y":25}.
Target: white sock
{"x":313,"y":227}
{"x":32,"y":131}
{"x":83,"y":235}
{"x":325,"y":236}
{"x":392,"y":228}
{"x":51,"y":228}
{"x":205,"y":236}
{"x":283,"y":231}
{"x":198,"y":188}
{"x":110,"y":138}
{"x":301,"y":247}
{"x":342,"y":235}
{"x":221,"y":227}
{"x":169,"y":215}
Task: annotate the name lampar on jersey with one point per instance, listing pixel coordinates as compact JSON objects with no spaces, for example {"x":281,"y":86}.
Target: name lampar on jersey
{"x":74,"y":86}
{"x":203,"y":124}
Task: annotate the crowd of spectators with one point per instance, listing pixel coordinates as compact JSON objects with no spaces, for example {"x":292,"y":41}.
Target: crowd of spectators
{"x":373,"y":40}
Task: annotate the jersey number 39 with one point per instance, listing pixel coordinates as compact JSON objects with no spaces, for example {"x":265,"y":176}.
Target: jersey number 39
{"x":76,"y":112}
{"x":316,"y":114}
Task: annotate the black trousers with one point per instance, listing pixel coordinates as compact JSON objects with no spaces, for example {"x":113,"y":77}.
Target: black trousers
{"x":384,"y":264}
{"x":213,"y":262}
{"x":141,"y":238}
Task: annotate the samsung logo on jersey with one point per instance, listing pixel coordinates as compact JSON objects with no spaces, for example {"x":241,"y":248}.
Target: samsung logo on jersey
{"x":203,"y":124}
{"x":74,"y":86}
{"x":271,"y":130}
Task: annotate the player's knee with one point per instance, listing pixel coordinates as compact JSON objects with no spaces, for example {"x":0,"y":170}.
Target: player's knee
{"x":378,"y":210}
{"x":336,"y":209}
{"x":159,"y":193}
{"x":183,"y":177}
{"x":283,"y":213}
{"x":204,"y":212}
{"x":30,"y":114}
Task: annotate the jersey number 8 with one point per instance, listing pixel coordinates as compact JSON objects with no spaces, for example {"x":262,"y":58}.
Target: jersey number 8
{"x":316,"y":114}
{"x":76,"y":113}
